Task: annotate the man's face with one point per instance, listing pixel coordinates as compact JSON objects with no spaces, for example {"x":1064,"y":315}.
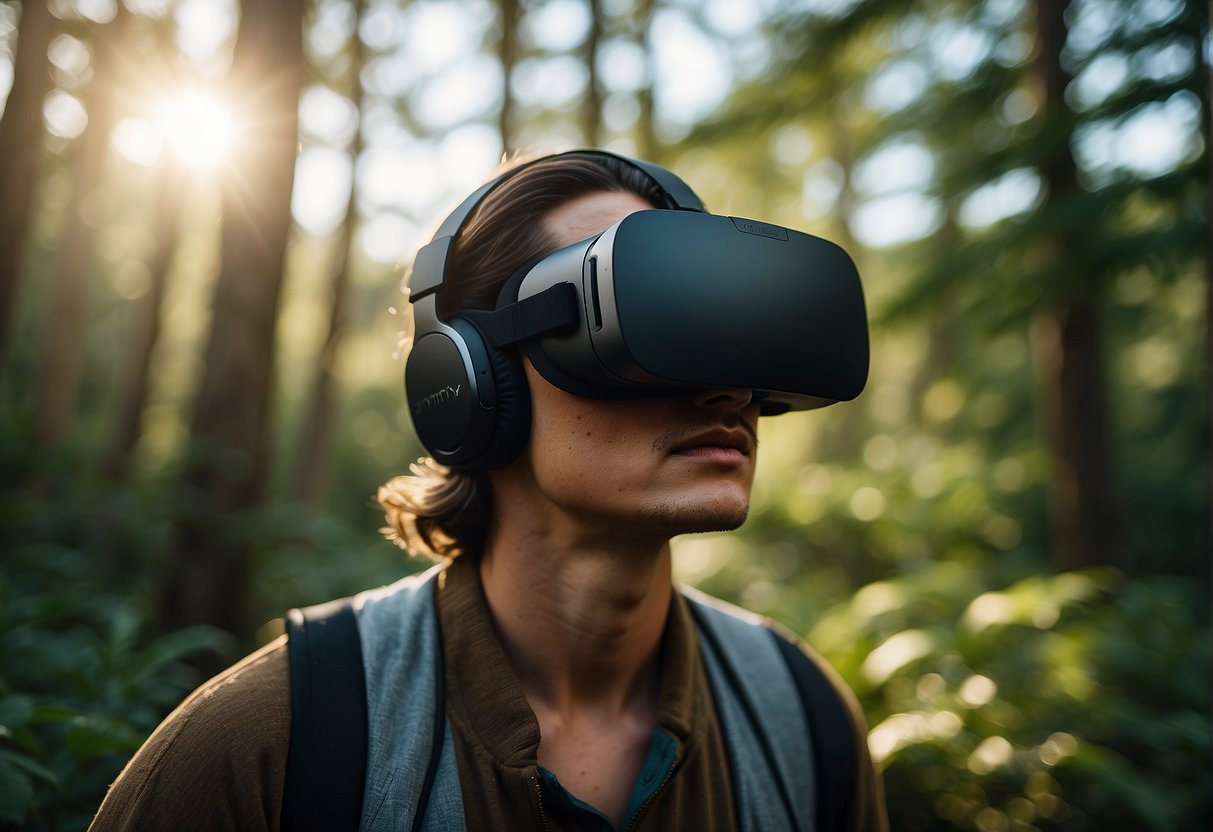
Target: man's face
{"x":661,"y":465}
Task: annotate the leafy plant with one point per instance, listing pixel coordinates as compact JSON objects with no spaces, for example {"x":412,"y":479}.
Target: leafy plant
{"x":1062,"y":702}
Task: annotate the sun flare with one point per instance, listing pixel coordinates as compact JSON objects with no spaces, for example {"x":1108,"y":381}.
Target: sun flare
{"x":197,"y":127}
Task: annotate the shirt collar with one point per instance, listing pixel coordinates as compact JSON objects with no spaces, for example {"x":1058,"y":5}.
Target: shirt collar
{"x":484,"y":694}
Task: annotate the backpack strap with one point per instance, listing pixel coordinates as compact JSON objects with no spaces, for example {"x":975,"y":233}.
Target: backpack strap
{"x":834,"y":757}
{"x":809,"y":750}
{"x":326,"y":760}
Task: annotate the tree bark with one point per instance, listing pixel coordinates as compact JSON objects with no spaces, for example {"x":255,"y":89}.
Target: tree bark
{"x":507,"y":53}
{"x":66,"y":318}
{"x":1202,"y":55}
{"x":1068,"y":353}
{"x":21,"y":134}
{"x":145,"y":324}
{"x":316,"y":438}
{"x":646,"y":132}
{"x":591,"y":105}
{"x":206,"y":578}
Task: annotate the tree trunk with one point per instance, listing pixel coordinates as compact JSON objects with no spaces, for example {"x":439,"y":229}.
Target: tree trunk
{"x":1203,"y":55}
{"x":316,"y":438}
{"x":21,"y":135}
{"x":591,"y":105}
{"x":507,"y":53}
{"x":63,"y":353}
{"x":1068,"y":353}
{"x":646,"y":133}
{"x":145,"y":324}
{"x":205,"y":580}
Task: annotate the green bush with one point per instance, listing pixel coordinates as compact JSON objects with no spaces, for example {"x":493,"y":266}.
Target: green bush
{"x":82,"y":681}
{"x":1065,"y":702}
{"x":80,"y":687}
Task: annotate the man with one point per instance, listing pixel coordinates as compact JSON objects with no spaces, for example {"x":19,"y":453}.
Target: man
{"x":577,"y":689}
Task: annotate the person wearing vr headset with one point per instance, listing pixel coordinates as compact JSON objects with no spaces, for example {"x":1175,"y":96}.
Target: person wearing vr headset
{"x":591,"y":354}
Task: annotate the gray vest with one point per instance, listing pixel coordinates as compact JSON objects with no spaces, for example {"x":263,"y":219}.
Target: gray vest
{"x":760,"y":712}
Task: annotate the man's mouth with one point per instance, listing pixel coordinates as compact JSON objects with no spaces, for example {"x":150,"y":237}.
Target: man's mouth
{"x":718,"y":444}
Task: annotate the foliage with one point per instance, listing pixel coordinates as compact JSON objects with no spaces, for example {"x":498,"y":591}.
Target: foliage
{"x":82,"y":681}
{"x":1069,"y":701}
{"x":84,"y":678}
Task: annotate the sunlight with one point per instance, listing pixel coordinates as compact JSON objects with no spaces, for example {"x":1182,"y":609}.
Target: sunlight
{"x":198,"y":127}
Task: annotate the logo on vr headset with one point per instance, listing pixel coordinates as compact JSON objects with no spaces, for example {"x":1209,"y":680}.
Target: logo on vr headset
{"x":760,"y":229}
{"x":440,"y":396}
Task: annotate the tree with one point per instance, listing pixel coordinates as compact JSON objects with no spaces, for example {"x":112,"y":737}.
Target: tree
{"x":1067,"y":340}
{"x":205,"y":579}
{"x":591,"y":105}
{"x":316,"y":439}
{"x":135,"y":371}
{"x":646,"y":135}
{"x":63,"y":351}
{"x":510,"y":15}
{"x":21,"y":135}
{"x":1014,"y":110}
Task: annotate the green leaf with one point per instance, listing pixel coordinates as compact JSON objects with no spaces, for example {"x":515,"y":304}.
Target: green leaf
{"x":29,"y":766}
{"x":16,"y":711}
{"x":16,"y":793}
{"x":91,"y":736}
{"x":175,"y":646}
{"x":47,"y":714}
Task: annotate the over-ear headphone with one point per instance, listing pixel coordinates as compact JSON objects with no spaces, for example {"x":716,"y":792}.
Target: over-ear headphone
{"x":467,"y":393}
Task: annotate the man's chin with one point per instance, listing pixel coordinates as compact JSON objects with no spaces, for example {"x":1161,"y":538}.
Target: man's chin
{"x":683,"y":519}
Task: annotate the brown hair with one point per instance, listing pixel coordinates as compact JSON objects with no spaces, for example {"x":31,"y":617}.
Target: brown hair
{"x":435,"y":511}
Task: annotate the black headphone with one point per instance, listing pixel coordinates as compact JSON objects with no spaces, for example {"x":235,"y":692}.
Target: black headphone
{"x":466,"y":389}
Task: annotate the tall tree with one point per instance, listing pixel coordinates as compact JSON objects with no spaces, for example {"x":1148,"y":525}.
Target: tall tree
{"x":646,"y":133}
{"x":64,"y":336}
{"x":206,"y":576}
{"x":591,"y":104}
{"x":1007,"y":114}
{"x":172,"y":191}
{"x":510,"y":16}
{"x":1067,"y":339}
{"x":315,"y":449}
{"x":1206,"y":35}
{"x":21,"y":134}
{"x":135,"y":370}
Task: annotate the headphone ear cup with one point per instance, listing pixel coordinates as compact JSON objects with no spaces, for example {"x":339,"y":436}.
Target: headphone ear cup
{"x":495,"y":435}
{"x":513,"y":411}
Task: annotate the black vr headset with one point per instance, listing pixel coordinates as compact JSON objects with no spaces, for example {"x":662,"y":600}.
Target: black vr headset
{"x":664,"y":301}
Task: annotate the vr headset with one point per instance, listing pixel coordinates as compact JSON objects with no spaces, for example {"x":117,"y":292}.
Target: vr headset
{"x":665,"y":301}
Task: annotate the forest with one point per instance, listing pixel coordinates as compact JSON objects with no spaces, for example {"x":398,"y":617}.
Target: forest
{"x":1004,"y":545}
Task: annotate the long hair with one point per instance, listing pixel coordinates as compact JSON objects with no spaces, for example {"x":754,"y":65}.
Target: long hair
{"x":432,"y":510}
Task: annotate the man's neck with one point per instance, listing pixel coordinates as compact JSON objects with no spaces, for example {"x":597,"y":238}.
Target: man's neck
{"x":580,"y":622}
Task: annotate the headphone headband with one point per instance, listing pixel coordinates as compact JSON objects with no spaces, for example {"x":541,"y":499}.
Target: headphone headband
{"x":432,"y":260}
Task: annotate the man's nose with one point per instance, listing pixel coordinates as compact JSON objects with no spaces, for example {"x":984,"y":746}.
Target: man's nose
{"x":724,"y":398}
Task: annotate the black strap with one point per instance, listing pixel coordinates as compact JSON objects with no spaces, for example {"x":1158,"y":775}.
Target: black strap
{"x":831,"y":738}
{"x":554,"y":310}
{"x":326,"y":761}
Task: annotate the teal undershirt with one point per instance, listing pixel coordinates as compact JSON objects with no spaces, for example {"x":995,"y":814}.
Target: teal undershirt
{"x":581,"y":815}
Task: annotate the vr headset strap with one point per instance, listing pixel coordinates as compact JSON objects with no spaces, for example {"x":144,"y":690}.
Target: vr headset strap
{"x":551,"y":311}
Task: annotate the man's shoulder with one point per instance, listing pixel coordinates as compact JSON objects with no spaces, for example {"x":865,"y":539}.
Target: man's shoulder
{"x":753,"y":628}
{"x":249,"y":704}
{"x":229,"y":737}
